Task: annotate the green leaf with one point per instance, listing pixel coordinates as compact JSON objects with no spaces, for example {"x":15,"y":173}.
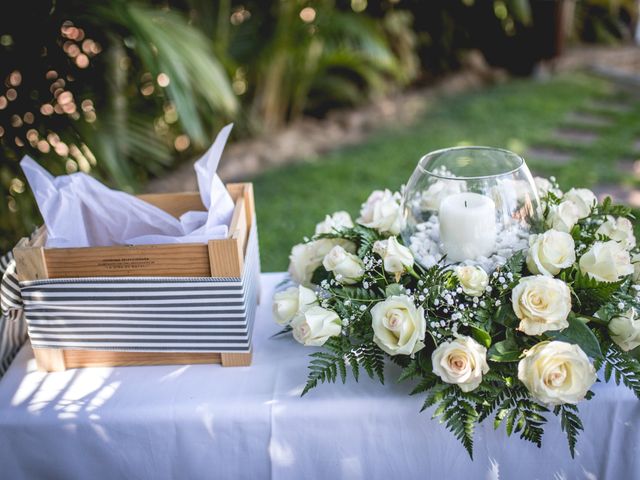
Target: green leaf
{"x":360,"y":294}
{"x":424,"y":361}
{"x":578,"y":333}
{"x":319,"y":274}
{"x":505,"y":351}
{"x":505,"y":316}
{"x":482,"y":337}
{"x":394,"y":289}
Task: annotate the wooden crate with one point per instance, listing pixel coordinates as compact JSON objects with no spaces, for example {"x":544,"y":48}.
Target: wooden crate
{"x":217,"y":258}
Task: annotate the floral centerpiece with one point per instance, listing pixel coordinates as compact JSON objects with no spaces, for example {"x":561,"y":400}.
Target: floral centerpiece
{"x":517,"y":341}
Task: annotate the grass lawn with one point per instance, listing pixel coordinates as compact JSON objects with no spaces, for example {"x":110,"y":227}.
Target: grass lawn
{"x":516,"y":115}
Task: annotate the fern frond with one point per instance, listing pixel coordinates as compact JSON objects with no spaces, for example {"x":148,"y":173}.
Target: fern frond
{"x":570,"y":423}
{"x":324,"y":367}
{"x":593,"y":294}
{"x":624,"y":367}
{"x":521,"y":414}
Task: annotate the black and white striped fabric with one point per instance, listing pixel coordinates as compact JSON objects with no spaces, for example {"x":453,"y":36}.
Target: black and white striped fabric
{"x":13,"y":327}
{"x":169,"y":314}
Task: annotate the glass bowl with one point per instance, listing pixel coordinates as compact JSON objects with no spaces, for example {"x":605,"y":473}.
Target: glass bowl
{"x":470,"y":205}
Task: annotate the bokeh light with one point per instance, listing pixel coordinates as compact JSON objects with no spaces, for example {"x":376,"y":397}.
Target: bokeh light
{"x":308,"y":14}
{"x":182,"y":142}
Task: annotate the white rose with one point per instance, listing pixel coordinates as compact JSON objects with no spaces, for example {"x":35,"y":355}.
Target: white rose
{"x":635,"y":260}
{"x":315,"y":326}
{"x":305,"y":258}
{"x":556,"y":372}
{"x":334,"y":222}
{"x":383,"y":212}
{"x":432,"y":196}
{"x":625,"y":330}
{"x":290,"y":302}
{"x":347,"y":267}
{"x":462,"y":362}
{"x":606,"y":262}
{"x":398,"y":326}
{"x":583,"y":198}
{"x":544,"y":186}
{"x":564,"y":216}
{"x":473,"y":280}
{"x":396,"y":257}
{"x":541,"y":303}
{"x":619,"y":229}
{"x":550,"y":252}
{"x":380,"y":247}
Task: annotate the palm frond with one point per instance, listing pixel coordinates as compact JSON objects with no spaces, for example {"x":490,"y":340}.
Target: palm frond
{"x":166,"y":43}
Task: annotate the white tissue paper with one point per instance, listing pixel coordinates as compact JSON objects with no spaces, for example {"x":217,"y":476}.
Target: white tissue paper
{"x":79,"y":211}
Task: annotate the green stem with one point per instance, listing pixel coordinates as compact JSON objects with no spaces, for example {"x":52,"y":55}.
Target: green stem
{"x":413,"y":273}
{"x":597,"y":320}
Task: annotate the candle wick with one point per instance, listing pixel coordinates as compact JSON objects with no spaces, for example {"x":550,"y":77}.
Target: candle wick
{"x":465,"y":204}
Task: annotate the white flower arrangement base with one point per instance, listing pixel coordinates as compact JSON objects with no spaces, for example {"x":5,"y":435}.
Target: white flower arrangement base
{"x":518,"y":336}
{"x":426,"y":245}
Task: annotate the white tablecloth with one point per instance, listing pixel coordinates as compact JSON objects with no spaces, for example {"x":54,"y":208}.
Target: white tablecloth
{"x":205,"y":421}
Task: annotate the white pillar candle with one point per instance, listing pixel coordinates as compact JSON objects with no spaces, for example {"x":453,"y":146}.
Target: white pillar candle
{"x":467,"y":226}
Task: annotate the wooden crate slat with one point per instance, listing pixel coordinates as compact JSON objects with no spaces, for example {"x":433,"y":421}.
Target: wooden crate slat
{"x":172,"y":260}
{"x":56,"y":360}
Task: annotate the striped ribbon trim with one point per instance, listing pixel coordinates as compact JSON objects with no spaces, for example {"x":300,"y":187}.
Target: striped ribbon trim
{"x":152,"y":314}
{"x":10,"y":298}
{"x":13,"y":328}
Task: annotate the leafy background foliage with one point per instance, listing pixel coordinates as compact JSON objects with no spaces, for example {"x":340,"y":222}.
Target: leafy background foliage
{"x":126,"y":90}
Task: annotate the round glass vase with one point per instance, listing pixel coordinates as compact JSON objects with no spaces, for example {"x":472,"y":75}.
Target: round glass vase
{"x":470,"y":205}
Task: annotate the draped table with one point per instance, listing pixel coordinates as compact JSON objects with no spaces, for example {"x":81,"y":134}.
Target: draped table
{"x":206,"y":421}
